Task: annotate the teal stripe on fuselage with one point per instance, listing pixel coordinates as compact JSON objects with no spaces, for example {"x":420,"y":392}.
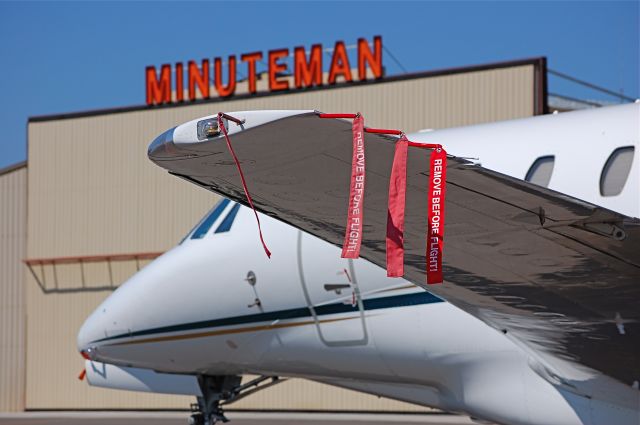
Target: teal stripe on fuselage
{"x":405,"y":300}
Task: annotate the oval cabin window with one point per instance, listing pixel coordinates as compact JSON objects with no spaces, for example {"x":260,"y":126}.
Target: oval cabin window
{"x":616,"y":171}
{"x":541,"y":170}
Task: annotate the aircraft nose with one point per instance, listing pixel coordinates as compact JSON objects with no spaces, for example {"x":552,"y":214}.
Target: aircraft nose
{"x":112,"y":318}
{"x":162,"y":146}
{"x":89,"y":333}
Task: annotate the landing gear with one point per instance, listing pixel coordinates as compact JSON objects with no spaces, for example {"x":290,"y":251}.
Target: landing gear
{"x":218,"y":391}
{"x":215,"y":389}
{"x":196,"y":418}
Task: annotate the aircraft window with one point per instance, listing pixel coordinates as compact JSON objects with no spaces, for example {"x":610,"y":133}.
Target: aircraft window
{"x":191,"y":231}
{"x":616,"y":171}
{"x":541,"y":170}
{"x":206,"y":224}
{"x":225,"y":226}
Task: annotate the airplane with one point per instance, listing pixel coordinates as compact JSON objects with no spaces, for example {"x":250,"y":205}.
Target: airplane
{"x":557,"y":345}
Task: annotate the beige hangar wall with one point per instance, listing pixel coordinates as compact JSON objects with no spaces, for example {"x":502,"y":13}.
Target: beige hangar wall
{"x":13,"y":238}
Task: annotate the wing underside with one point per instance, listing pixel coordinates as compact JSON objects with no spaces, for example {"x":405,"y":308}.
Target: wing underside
{"x":559,"y":275}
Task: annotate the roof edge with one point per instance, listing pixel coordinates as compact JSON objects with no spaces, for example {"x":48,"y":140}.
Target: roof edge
{"x":13,"y":167}
{"x":535,"y":61}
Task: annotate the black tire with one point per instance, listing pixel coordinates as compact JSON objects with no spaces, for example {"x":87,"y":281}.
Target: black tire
{"x":196,"y":419}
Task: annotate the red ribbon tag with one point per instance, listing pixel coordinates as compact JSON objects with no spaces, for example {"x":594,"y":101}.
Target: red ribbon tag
{"x":242,"y":179}
{"x":395,"y":212}
{"x":355,"y":214}
{"x":435,"y":223}
{"x":397,"y":198}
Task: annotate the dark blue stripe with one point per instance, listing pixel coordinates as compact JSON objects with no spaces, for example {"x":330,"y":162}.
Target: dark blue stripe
{"x":294,"y":313}
{"x":211,"y":218}
{"x":225,"y":226}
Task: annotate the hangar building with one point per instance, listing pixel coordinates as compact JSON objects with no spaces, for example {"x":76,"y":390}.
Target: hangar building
{"x":90,"y":209}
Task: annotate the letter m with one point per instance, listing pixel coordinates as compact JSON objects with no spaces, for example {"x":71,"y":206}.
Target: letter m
{"x":158,"y":91}
{"x":308,"y":73}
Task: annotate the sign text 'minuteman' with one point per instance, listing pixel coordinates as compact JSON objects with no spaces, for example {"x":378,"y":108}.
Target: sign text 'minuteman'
{"x":307,"y":72}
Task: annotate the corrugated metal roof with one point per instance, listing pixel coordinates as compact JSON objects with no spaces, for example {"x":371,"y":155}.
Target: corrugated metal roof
{"x":538,"y":62}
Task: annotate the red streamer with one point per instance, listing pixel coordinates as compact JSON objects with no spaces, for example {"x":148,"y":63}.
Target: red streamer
{"x":395,"y":212}
{"x":244,"y":183}
{"x":397,"y":201}
{"x":347,"y":116}
{"x":355,"y":214}
{"x":383,"y":131}
{"x":435,"y":221}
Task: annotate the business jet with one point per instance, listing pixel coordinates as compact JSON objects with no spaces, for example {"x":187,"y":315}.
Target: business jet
{"x":536,"y":321}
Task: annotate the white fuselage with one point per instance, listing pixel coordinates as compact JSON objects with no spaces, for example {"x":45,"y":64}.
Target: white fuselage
{"x":312,"y":314}
{"x":581,"y":143}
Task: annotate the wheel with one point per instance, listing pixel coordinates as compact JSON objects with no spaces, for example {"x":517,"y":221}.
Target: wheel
{"x":196,"y":419}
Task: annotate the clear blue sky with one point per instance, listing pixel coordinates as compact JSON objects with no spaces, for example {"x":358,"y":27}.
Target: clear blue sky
{"x":65,"y":57}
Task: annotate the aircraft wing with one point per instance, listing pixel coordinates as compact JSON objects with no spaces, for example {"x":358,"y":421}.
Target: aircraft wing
{"x":558,"y":275}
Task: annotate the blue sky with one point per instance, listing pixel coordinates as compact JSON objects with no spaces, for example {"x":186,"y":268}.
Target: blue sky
{"x":70,"y":56}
